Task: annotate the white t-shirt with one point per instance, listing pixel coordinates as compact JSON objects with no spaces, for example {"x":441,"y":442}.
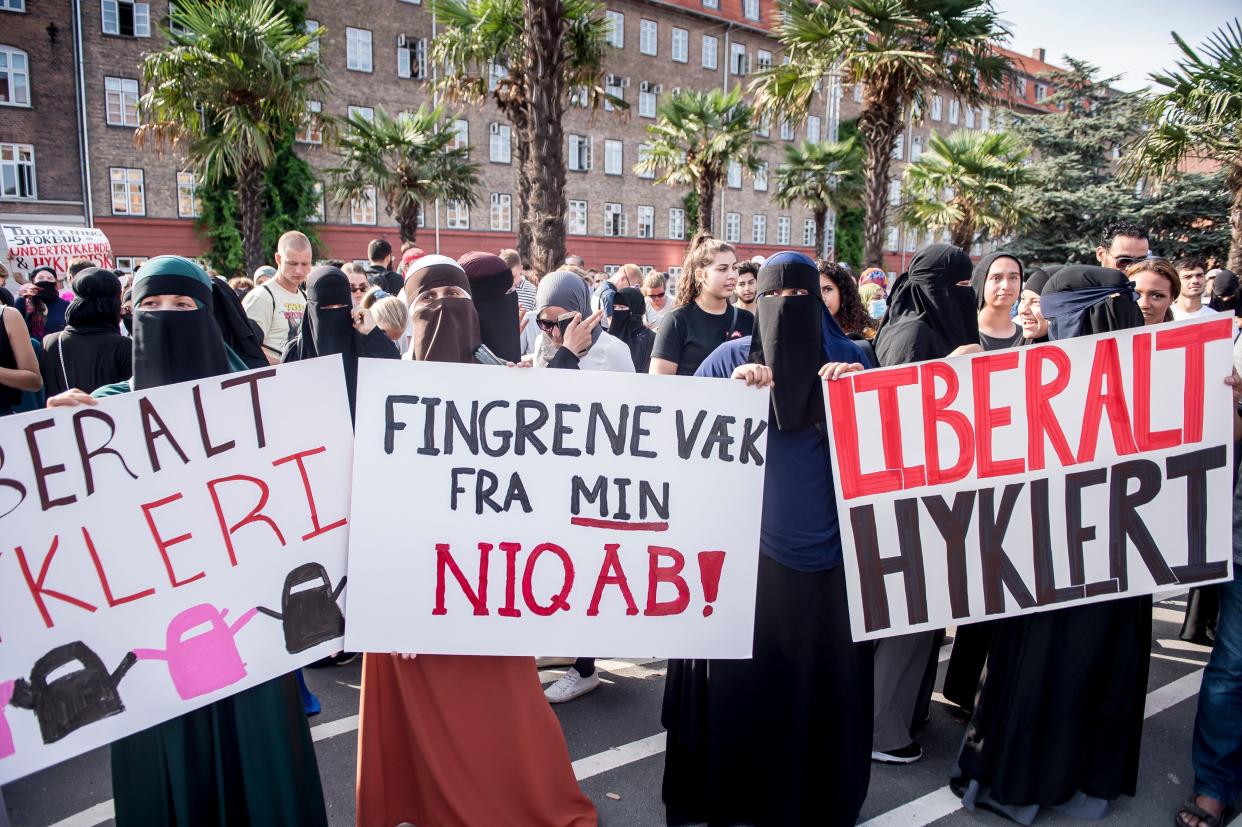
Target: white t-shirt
{"x":277,"y":312}
{"x":1179,"y":314}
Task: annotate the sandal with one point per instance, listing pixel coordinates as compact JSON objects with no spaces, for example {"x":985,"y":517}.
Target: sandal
{"x":1206,"y":819}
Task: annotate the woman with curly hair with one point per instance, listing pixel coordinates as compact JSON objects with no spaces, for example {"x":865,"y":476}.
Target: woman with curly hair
{"x":837,"y":290}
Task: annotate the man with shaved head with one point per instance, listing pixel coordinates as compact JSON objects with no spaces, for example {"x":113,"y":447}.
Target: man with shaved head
{"x":277,"y":305}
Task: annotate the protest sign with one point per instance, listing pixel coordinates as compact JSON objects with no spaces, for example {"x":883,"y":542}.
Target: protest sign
{"x":1034,"y":478}
{"x":165,"y":549}
{"x":28,"y":246}
{"x":524,"y":512}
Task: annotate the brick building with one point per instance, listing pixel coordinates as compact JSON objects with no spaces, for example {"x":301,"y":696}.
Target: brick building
{"x":376,"y":55}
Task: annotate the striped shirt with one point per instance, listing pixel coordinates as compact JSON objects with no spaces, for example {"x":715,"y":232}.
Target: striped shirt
{"x":526,"y":295}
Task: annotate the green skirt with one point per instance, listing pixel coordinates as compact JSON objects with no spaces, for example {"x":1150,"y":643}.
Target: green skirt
{"x":247,"y":759}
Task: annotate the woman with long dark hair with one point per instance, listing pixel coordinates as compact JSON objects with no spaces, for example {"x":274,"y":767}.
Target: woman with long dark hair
{"x":844,"y":302}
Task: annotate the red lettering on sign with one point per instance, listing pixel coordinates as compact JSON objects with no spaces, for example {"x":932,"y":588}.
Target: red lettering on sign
{"x":935,"y":412}
{"x":987,"y":418}
{"x":164,"y":545}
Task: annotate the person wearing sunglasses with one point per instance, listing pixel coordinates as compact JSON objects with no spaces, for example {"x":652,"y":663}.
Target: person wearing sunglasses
{"x":655,"y":290}
{"x":358,"y":284}
{"x":1192,"y":273}
{"x":1123,"y":244}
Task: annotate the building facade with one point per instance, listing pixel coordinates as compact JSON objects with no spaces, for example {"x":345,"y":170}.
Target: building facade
{"x":376,"y":54}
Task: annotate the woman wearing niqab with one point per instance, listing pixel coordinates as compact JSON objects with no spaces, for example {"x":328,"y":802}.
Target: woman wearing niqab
{"x":629,"y":309}
{"x":449,"y":740}
{"x":1059,"y":719}
{"x":496,"y":301}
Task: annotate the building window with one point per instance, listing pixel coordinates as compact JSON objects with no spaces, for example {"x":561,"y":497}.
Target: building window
{"x":312,"y":128}
{"x":366,"y":113}
{"x":750,"y":8}
{"x":937,"y":108}
{"x":858,"y":93}
{"x":759,"y":229}
{"x":643,"y":151}
{"x":782,"y":230}
{"x":733,"y":227}
{"x":461,"y":140}
{"x":787,"y":131}
{"x":12,"y":5}
{"x":763,"y":59}
{"x":894,"y":192}
{"x":761,"y":177}
{"x":676,"y":223}
{"x":616,"y":28}
{"x":130,"y":264}
{"x":501,"y":143}
{"x":358,"y":49}
{"x":830,"y":232}
{"x":320,"y":214}
{"x":362,"y":210}
{"x":970,"y":117}
{"x":711,"y":4}
{"x":580,"y":153}
{"x":502,"y":211}
{"x":647,"y":100}
{"x":1019,"y":86}
{"x":614,"y":220}
{"x":899,"y":148}
{"x":411,"y":57}
{"x":985,"y":117}
{"x":14,"y":77}
{"x":764,"y":127}
{"x":126,"y":18}
{"x":681,"y":45}
{"x":808,"y":232}
{"x":916,"y":147}
{"x":812,"y":129}
{"x":955,"y":111}
{"x":612,"y":157}
{"x":739,"y":63}
{"x":710,"y":49}
{"x":121,"y":101}
{"x":646,"y":222}
{"x":576,"y":218}
{"x":648,"y":37}
{"x":188,"y":203}
{"x":457,"y":215}
{"x":17,"y":171}
{"x":733,"y":177}
{"x":912,"y":240}
{"x":495,"y":74}
{"x":128,"y":195}
{"x":1041,"y":91}
{"x":891,"y":239}
{"x":309,"y":26}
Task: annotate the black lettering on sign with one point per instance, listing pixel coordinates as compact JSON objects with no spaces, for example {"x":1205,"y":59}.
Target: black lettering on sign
{"x":1194,"y":467}
{"x":954,"y":524}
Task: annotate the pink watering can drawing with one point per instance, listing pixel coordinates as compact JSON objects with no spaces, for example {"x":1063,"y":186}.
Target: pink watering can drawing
{"x":6,"y":737}
{"x":201,"y":653}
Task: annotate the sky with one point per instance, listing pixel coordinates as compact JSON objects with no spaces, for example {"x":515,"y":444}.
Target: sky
{"x":1124,"y":37}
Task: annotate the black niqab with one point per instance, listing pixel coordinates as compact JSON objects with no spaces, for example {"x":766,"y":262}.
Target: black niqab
{"x":788,"y":338}
{"x":242,"y":335}
{"x":496,"y":300}
{"x":929,"y":315}
{"x":173,"y":346}
{"x":1081,"y":300}
{"x":445,"y":329}
{"x":1225,"y":298}
{"x":629,"y":309}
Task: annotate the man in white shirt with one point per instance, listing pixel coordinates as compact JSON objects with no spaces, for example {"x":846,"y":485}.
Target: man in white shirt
{"x":277,"y":305}
{"x":1193,"y":275}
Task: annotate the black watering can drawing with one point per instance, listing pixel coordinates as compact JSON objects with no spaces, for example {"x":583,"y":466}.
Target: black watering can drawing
{"x":308,"y":608}
{"x":64,"y":701}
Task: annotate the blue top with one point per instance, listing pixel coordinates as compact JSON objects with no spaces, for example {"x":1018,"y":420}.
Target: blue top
{"x":799,"y":526}
{"x":55,"y":321}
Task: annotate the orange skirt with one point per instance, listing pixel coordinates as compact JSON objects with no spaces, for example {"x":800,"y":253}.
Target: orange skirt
{"x":457,"y":741}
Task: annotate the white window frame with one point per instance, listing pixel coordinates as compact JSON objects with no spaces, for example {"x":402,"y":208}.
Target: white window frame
{"x":750,"y":9}
{"x":10,"y":56}
{"x":916,"y":147}
{"x":461,"y":139}
{"x":787,"y":131}
{"x":576,"y":218}
{"x":189,"y":204}
{"x":808,"y":233}
{"x":644,"y":221}
{"x":937,"y":108}
{"x":367,"y":113}
{"x":985,"y":118}
{"x":321,"y":212}
{"x":899,"y":147}
{"x":13,"y":5}
{"x":110,"y":18}
{"x":358,"y":57}
{"x":894,"y":192}
{"x":501,"y":214}
{"x":1019,"y":86}
{"x":782,"y":230}
{"x":761,"y":177}
{"x":614,"y":220}
{"x":581,"y":153}
{"x":120,"y":101}
{"x":911,"y":240}
{"x":733,"y":227}
{"x":711,"y":52}
{"x":814,"y":130}
{"x":456,"y":215}
{"x":739,"y":60}
{"x":1041,"y":92}
{"x":309,"y":26}
{"x":759,"y":229}
{"x":892,"y":239}
{"x":676,"y":223}
{"x":733,"y":176}
{"x":643,"y":151}
{"x":616,"y":28}
{"x":500,"y":144}
{"x":412,"y":57}
{"x":970,"y":117}
{"x":364,"y":210}
{"x":18,"y":168}
{"x":711,"y":4}
{"x":858,"y":93}
{"x":647,"y":103}
{"x":614,"y":157}
{"x":311,"y":131}
{"x":133,"y":183}
{"x":680,"y":45}
{"x":955,"y":111}
{"x":648,"y":37}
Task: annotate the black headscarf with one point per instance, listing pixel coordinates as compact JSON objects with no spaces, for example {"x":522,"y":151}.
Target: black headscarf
{"x":629,"y":310}
{"x":1036,"y":278}
{"x":97,"y":300}
{"x":127,"y":319}
{"x":1081,"y":300}
{"x":173,"y":346}
{"x":929,"y":315}
{"x":794,"y":336}
{"x":445,"y":330}
{"x":241,"y":334}
{"x":496,"y":300}
{"x":1225,"y":293}
{"x":979,"y":276}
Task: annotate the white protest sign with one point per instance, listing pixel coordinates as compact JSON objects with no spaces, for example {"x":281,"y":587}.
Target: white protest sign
{"x":28,"y":246}
{"x":1035,"y":478}
{"x":165,"y":549}
{"x":524,"y":512}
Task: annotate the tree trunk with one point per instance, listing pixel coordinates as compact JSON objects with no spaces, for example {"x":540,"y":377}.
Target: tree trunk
{"x":407,"y":222}
{"x":250,"y":207}
{"x":880,"y":124}
{"x":521,"y":152}
{"x":963,"y":234}
{"x":545,"y":59}
{"x":821,"y":220}
{"x":1234,"y":181}
{"x":706,"y":191}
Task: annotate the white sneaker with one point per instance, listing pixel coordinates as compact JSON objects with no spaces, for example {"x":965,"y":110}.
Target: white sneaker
{"x":547,"y":663}
{"x":570,"y":686}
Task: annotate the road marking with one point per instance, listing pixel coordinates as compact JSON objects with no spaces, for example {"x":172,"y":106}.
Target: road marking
{"x":1175,"y":658}
{"x":616,"y":757}
{"x":923,"y":810}
{"x":1184,"y":646}
{"x":1174,"y":616}
{"x":1171,"y":694}
{"x":333,"y":728}
{"x":89,"y":818}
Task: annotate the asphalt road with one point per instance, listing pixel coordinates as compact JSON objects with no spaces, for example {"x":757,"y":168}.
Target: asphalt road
{"x":616,"y":743}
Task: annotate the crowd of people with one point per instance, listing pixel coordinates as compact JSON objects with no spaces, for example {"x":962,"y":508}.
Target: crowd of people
{"x":1051,"y":703}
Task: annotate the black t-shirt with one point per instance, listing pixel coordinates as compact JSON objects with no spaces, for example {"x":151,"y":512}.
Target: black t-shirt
{"x":992,"y":343}
{"x":689,"y":334}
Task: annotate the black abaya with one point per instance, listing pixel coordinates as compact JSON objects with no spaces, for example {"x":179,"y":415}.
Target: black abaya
{"x":85,"y":358}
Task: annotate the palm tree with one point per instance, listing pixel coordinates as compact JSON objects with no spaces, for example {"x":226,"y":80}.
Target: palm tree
{"x":1199,"y":115}
{"x":823,"y":176}
{"x":234,"y":76}
{"x":694,"y":139}
{"x":966,"y":183}
{"x":409,"y":160}
{"x":898,"y":50}
{"x":485,"y":47}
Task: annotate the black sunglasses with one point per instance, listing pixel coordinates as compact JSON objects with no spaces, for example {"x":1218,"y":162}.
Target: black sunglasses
{"x":546,"y":324}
